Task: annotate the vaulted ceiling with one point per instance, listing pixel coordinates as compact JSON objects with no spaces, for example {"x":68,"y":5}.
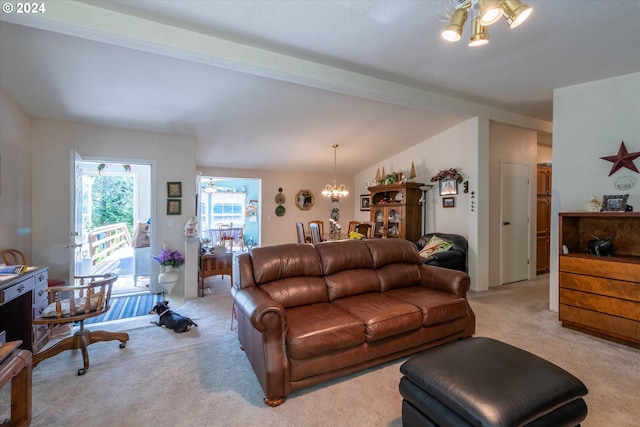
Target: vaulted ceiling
{"x":273,"y":84}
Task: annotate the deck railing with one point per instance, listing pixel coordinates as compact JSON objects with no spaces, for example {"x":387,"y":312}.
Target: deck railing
{"x":105,"y":240}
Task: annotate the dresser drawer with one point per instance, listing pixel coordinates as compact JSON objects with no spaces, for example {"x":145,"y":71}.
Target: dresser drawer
{"x":601,"y":267}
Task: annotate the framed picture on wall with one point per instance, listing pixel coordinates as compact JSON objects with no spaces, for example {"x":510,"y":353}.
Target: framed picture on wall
{"x":174,"y":189}
{"x":174,"y":207}
{"x":448,"y":202}
{"x":448,"y":187}
{"x":365,"y":202}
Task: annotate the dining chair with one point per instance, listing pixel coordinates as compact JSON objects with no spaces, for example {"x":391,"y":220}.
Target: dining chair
{"x":14,"y":257}
{"x":314,"y":230}
{"x":320,"y":227}
{"x":365,"y":229}
{"x":226,"y":236}
{"x":89,"y":298}
{"x":300,"y":232}
{"x":352,"y":226}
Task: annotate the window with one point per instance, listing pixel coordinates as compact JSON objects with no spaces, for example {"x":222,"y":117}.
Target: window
{"x":222,"y":208}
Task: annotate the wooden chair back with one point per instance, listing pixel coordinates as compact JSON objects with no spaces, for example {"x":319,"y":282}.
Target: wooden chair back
{"x":352,"y":226}
{"x":14,"y":257}
{"x":91,"y":297}
{"x":300,"y":232}
{"x":320,"y":227}
{"x":365,"y":228}
{"x":314,"y":230}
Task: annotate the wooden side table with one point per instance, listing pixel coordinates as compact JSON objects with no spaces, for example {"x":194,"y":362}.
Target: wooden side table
{"x":15,"y":365}
{"x":214,"y":264}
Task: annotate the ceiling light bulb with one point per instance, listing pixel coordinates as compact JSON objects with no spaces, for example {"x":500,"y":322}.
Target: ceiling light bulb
{"x":515,"y":12}
{"x":453,"y":31}
{"x":479,"y":34}
{"x":490,"y":11}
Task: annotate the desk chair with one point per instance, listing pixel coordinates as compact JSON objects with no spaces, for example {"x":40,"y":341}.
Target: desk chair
{"x":76,"y":304}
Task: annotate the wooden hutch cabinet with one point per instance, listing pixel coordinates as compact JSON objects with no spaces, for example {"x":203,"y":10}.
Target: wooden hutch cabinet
{"x":601,"y":295}
{"x":396,"y":210}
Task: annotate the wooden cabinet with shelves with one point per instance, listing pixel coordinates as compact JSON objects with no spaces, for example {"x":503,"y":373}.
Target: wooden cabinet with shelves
{"x":396,"y":210}
{"x":601,"y":295}
{"x":543,"y":215}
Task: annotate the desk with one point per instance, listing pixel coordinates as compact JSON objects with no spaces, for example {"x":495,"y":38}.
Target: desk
{"x":22,"y":298}
{"x":15,"y":365}
{"x":214,"y":264}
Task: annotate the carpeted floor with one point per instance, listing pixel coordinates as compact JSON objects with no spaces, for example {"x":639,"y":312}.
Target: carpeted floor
{"x":202,"y":378}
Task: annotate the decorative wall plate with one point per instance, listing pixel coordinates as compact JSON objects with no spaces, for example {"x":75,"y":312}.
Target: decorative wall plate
{"x":280,"y":199}
{"x":624,"y":183}
{"x":280,"y":210}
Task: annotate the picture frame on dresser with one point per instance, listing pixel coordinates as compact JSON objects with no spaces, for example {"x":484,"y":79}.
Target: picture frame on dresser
{"x":615,"y":203}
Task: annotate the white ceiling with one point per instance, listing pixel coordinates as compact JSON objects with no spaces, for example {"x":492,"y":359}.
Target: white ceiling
{"x":273,"y":84}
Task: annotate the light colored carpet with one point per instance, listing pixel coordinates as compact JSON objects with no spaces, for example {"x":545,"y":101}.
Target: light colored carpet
{"x":202,"y":378}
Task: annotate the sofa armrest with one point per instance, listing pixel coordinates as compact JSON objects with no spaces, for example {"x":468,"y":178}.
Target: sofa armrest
{"x":255,"y":305}
{"x":444,"y":279}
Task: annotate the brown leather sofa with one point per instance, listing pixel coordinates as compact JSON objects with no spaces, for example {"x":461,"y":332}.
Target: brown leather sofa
{"x":309,"y":313}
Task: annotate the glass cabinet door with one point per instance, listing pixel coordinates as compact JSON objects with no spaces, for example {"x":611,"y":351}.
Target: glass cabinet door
{"x":393,"y":223}
{"x":379,"y":223}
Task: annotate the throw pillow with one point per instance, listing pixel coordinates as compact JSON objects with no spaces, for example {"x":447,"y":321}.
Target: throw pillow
{"x":50,"y":311}
{"x":434,"y":245}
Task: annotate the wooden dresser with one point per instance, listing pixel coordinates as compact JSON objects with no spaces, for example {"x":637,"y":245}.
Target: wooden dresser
{"x":601,"y":295}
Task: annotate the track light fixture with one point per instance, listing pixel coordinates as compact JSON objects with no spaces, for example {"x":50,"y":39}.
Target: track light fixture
{"x":483,"y":14}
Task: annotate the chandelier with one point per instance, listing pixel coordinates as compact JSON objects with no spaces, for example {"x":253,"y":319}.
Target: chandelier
{"x":334,"y":191}
{"x":483,"y":14}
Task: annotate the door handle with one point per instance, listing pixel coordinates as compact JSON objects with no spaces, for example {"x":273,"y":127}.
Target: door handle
{"x":72,"y":246}
{"x":506,"y":223}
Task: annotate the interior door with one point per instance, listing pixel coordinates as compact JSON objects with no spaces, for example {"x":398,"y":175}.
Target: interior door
{"x":514,"y":222}
{"x":75,"y":235}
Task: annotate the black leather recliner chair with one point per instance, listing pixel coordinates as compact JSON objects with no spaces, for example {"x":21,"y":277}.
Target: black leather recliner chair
{"x":454,"y":259}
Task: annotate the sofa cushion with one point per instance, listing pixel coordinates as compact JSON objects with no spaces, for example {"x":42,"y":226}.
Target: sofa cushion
{"x":295,"y":291}
{"x":280,"y":262}
{"x":382,"y":316}
{"x":318,"y":329}
{"x":344,"y":255}
{"x":351,"y":282}
{"x":391,"y":251}
{"x":398,"y":275}
{"x":436,"y":306}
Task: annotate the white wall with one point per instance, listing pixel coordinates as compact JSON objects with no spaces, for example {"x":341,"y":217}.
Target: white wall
{"x":449,"y":149}
{"x":15,"y":177}
{"x":172,"y":158}
{"x":590,"y":120}
{"x":509,"y":143}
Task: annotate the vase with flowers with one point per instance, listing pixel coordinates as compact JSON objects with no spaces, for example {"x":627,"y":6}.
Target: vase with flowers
{"x":170,"y":261}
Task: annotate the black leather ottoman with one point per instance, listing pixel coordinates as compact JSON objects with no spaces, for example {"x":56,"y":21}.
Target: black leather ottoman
{"x":485,"y":382}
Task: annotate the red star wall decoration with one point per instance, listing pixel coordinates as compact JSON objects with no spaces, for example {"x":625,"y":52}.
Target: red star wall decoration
{"x":623,"y":159}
